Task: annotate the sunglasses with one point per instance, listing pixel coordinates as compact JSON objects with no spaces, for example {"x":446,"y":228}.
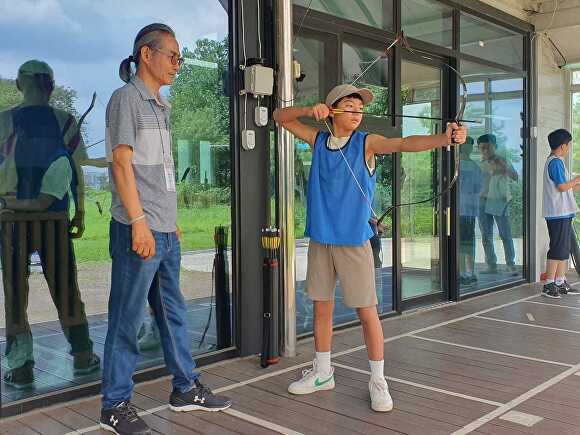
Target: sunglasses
{"x":176,"y":59}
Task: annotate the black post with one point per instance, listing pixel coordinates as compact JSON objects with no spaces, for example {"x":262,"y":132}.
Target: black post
{"x":270,"y":320}
{"x":222,"y":289}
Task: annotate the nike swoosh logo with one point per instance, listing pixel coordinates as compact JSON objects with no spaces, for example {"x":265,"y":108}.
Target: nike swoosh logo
{"x":318,"y":382}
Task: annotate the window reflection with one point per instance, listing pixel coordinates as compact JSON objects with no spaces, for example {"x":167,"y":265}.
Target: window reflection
{"x":491,"y":240}
{"x":55,"y":283}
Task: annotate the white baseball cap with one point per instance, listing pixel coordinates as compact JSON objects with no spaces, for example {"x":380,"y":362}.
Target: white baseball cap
{"x":342,"y":91}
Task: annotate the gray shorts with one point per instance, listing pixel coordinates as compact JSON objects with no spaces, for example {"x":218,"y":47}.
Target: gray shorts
{"x":352,"y":265}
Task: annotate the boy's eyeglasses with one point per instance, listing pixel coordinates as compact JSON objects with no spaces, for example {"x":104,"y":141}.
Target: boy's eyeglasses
{"x":176,"y":59}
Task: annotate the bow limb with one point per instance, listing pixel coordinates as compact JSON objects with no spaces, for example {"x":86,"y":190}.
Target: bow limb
{"x":84,"y":115}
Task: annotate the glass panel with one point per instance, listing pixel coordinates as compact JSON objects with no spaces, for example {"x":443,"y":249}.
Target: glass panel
{"x":375,"y":13}
{"x":491,"y":42}
{"x":576,"y":145}
{"x":310,"y":53}
{"x":429,"y":21}
{"x":356,"y":59}
{"x":473,"y":88}
{"x":73,"y":297}
{"x":507,"y":85}
{"x":420,"y":243}
{"x":490,"y":184}
{"x":576,"y":78}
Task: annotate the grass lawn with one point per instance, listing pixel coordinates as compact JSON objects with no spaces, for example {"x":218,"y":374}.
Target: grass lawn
{"x":197,"y":225}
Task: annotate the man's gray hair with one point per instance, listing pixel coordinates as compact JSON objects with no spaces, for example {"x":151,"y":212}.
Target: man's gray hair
{"x":151,"y":36}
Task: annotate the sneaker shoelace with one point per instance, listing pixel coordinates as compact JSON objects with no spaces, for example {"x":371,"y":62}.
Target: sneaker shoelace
{"x":306,"y":373}
{"x":202,"y":389}
{"x":128,"y":411}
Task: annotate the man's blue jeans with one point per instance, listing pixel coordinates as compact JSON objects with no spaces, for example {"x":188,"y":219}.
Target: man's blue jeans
{"x":133,"y":281}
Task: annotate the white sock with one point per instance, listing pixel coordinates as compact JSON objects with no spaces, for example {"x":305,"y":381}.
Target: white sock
{"x":549,"y":281}
{"x":560,"y":280}
{"x":377,"y":369}
{"x":323,"y":362}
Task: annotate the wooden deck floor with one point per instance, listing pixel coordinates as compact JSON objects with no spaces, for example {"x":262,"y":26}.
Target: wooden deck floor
{"x":472,"y":367}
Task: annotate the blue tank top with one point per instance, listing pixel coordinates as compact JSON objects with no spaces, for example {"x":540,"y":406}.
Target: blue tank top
{"x":337,"y":213}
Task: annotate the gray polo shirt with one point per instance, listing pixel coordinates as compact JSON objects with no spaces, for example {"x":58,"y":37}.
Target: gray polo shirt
{"x":135,"y":118}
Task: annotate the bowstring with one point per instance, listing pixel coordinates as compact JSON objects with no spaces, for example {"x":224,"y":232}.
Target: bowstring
{"x":459,"y":115}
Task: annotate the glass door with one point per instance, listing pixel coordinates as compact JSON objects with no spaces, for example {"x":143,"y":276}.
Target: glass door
{"x":421,"y":235}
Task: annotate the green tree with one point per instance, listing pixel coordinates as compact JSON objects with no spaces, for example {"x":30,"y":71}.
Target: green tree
{"x":200,"y":108}
{"x":63,"y":98}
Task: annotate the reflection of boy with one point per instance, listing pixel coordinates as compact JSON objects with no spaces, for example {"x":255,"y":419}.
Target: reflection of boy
{"x":469,"y":189}
{"x":559,"y":208}
{"x":338,"y":225}
{"x":38,"y":174}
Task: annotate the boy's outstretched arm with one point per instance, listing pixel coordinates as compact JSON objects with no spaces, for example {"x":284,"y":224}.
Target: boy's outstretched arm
{"x":381,"y":145}
{"x":288,"y":118}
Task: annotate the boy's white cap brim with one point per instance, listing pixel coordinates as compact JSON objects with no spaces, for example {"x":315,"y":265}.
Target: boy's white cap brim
{"x":342,"y":91}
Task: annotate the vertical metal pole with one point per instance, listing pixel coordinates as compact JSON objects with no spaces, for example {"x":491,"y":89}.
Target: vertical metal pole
{"x":286,"y":174}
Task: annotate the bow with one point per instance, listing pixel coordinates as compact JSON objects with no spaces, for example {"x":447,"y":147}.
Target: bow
{"x":84,"y":115}
{"x":458,"y":119}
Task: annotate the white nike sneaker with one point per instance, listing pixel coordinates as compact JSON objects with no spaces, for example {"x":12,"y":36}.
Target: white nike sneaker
{"x":313,"y":380}
{"x":381,"y":400}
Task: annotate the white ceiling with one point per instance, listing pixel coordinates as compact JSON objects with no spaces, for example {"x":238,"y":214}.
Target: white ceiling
{"x":563,"y":26}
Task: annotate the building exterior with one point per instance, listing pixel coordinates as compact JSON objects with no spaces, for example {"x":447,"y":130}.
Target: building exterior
{"x":515,"y":94}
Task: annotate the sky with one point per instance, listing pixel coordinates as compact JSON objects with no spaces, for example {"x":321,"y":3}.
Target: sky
{"x":85,"y":40}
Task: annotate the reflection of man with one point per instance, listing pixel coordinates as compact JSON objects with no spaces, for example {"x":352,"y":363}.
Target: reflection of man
{"x":469,"y":189}
{"x":37,"y":174}
{"x":496,"y":196}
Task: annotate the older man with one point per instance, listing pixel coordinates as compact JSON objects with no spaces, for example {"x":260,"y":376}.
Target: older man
{"x":144,"y":244}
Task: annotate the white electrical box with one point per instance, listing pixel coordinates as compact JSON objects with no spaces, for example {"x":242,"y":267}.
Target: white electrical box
{"x":261,"y":116}
{"x":258,"y":80}
{"x":248,"y":139}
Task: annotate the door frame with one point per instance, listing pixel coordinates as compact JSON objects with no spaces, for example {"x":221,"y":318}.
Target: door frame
{"x":446,"y":206}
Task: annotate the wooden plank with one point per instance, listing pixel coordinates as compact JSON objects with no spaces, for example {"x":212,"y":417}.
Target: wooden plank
{"x":44,"y":424}
{"x":440,"y":379}
{"x":522,"y":340}
{"x":518,"y":376}
{"x":543,"y":315}
{"x":315,"y":417}
{"x":16,"y":427}
{"x":192,"y":420}
{"x":69,"y":418}
{"x":251,"y":401}
{"x":355,"y":404}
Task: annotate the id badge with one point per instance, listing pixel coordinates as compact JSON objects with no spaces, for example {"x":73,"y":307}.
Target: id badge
{"x":169,"y":173}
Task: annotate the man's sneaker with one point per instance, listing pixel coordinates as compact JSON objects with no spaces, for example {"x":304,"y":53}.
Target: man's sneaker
{"x":313,"y":380}
{"x":150,"y":339}
{"x":551,"y":290}
{"x":381,"y":400}
{"x":123,"y":420}
{"x":85,"y":363}
{"x":198,"y":398}
{"x":20,"y":377}
{"x":566,"y":289}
